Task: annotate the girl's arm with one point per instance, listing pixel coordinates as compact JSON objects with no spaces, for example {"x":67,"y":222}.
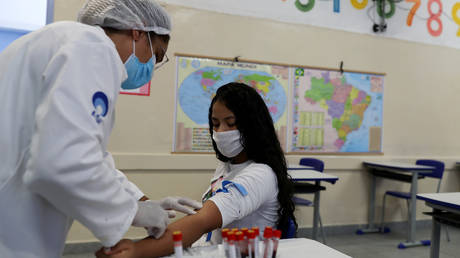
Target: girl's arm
{"x":192,"y":227}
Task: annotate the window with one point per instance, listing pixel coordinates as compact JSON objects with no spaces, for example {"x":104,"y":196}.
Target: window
{"x":19,"y":17}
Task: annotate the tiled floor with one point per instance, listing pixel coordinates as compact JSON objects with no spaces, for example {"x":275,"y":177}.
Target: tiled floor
{"x":385,"y":245}
{"x":379,"y":245}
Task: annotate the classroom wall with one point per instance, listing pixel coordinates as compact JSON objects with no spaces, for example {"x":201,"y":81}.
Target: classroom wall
{"x":420,"y":109}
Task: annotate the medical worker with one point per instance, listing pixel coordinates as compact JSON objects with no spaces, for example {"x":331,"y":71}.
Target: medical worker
{"x":58,"y":90}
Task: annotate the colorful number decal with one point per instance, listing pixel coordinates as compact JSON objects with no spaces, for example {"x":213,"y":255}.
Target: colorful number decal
{"x":455,"y":9}
{"x":434,"y":17}
{"x":336,"y":6}
{"x":359,"y":5}
{"x":381,"y":8}
{"x":305,"y":7}
{"x":412,"y":12}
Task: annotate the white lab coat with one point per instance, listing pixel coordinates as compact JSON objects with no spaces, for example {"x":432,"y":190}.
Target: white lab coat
{"x":54,"y":166}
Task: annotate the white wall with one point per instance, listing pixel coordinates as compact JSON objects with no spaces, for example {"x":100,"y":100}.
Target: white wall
{"x":420,"y":108}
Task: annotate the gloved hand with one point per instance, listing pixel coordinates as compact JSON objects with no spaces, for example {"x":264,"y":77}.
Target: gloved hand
{"x":151,"y":216}
{"x":179,"y":204}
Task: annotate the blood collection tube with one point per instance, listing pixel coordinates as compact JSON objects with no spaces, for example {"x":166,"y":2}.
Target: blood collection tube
{"x":276,"y":238}
{"x":231,"y":245}
{"x":251,"y":243}
{"x":225,"y":240}
{"x":242,"y":250}
{"x":177,"y":238}
{"x":256,"y":242}
{"x":268,"y":243}
{"x":245,"y":234}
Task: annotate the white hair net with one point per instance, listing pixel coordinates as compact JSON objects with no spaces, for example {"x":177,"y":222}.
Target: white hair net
{"x":144,"y":15}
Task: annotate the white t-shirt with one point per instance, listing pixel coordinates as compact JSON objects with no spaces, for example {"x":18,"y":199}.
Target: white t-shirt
{"x":246,"y":195}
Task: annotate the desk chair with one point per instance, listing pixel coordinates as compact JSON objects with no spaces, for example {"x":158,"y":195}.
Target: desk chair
{"x":303,"y":188}
{"x":437,"y":172}
{"x":290,"y":231}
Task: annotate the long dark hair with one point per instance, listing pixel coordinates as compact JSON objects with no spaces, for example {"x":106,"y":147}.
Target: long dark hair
{"x":259,"y":139}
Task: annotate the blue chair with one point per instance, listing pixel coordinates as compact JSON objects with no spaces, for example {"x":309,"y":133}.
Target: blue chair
{"x":317,"y":164}
{"x":438,"y":171}
{"x":290,"y":231}
{"x":299,"y":187}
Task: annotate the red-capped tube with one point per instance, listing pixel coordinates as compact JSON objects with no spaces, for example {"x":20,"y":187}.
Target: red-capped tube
{"x":256,"y":242}
{"x":276,"y":238}
{"x":251,"y":243}
{"x":245,"y":233}
{"x":256,"y":230}
{"x":225,"y":240}
{"x":231,"y":245}
{"x":242,"y":247}
{"x":268,"y":243}
{"x":177,"y":239}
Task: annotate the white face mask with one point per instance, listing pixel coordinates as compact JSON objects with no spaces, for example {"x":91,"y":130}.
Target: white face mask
{"x":228,"y":143}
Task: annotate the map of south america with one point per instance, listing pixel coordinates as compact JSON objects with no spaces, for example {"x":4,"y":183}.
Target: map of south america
{"x":344,"y":103}
{"x":335,"y":112}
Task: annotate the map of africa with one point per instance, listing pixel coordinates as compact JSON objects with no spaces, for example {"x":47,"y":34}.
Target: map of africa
{"x":198,"y":81}
{"x":336,"y":112}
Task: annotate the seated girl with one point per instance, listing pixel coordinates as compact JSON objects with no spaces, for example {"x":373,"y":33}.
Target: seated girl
{"x":250,"y":188}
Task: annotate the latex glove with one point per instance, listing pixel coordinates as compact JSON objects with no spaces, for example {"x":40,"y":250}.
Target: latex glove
{"x":180,"y":204}
{"x":151,"y":216}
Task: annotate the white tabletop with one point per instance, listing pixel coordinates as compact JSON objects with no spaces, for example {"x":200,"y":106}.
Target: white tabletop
{"x":451,"y":200}
{"x":287,"y":248}
{"x":303,"y":247}
{"x":398,"y":165}
{"x":297,"y":167}
{"x":311,"y":175}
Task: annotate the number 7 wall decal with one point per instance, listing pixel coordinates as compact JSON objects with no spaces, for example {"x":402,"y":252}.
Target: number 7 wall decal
{"x":412,"y":11}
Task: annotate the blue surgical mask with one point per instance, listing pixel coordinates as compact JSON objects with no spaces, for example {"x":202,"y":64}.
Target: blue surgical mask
{"x":138,"y":73}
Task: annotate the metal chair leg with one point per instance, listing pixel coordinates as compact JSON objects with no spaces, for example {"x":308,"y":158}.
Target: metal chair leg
{"x":408,"y":213}
{"x":408,"y":210}
{"x":447,"y":233}
{"x":322,"y":230}
{"x":382,"y":225}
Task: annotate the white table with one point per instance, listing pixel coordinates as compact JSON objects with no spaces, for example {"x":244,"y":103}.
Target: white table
{"x":446,"y":207}
{"x":287,"y":248}
{"x":299,"y":167}
{"x":391,"y":170}
{"x":301,"y":173}
{"x":311,"y":175}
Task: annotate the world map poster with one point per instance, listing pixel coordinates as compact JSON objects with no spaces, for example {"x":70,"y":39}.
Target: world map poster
{"x":197,"y":82}
{"x":335,"y":112}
